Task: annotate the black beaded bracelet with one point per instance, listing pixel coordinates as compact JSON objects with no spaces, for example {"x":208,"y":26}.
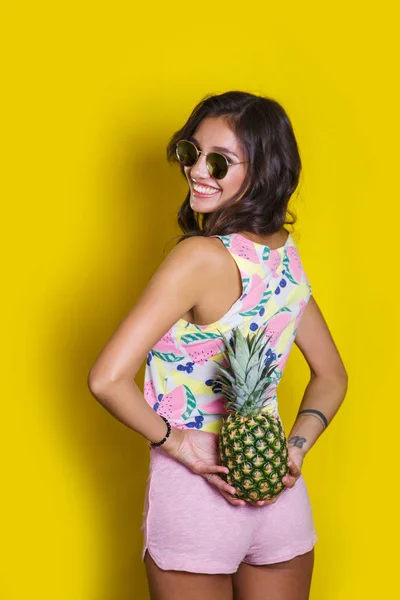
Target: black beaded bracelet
{"x":155,"y":444}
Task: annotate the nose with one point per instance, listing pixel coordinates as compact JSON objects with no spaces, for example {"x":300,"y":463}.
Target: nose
{"x":199,"y":169}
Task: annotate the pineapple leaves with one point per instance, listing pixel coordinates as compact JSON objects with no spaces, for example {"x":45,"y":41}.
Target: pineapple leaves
{"x":246,"y":379}
{"x":226,"y":374}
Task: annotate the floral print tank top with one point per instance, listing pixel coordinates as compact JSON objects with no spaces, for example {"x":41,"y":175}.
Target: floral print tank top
{"x":181,"y":368}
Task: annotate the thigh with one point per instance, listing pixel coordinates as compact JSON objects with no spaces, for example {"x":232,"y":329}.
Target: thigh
{"x":289,"y":580}
{"x":181,"y":585}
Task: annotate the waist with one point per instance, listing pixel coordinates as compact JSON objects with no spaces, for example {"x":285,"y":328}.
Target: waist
{"x":203,"y":416}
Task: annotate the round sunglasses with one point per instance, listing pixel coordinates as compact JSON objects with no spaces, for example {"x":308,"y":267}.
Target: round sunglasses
{"x":217,"y":164}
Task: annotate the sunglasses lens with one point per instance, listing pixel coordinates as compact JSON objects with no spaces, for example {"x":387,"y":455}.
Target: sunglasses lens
{"x":217,"y":165}
{"x":186,"y":153}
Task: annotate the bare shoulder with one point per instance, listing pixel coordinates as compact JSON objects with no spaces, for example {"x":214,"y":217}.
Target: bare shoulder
{"x":198,"y":243}
{"x":178,"y":284}
{"x":315,"y":341}
{"x":199,"y":256}
{"x":186,"y":256}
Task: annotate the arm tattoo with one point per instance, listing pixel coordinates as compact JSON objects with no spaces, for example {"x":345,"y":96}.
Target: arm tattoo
{"x":297,"y":441}
{"x":317,"y":413}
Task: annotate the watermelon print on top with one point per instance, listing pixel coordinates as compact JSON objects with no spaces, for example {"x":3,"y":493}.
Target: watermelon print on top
{"x":180,"y":369}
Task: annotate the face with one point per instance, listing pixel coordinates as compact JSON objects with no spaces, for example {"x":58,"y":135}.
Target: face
{"x":206,"y":193}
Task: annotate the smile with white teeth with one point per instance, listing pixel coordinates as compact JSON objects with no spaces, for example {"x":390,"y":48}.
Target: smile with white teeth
{"x":203,"y":189}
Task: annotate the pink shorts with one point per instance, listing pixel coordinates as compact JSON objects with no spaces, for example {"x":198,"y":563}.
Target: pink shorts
{"x":189,"y":526}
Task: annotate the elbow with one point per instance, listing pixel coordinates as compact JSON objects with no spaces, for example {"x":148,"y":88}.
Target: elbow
{"x":342,"y":383}
{"x":97,"y":385}
{"x":102,"y":384}
{"x":93,"y":385}
{"x":345,"y":381}
{"x":342,"y":377}
{"x":337,"y":379}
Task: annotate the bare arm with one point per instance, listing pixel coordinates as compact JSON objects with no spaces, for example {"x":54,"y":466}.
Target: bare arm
{"x":327,"y":388}
{"x":176,"y":287}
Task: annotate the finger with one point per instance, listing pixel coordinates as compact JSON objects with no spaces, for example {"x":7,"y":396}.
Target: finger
{"x":265,"y":502}
{"x":233,"y":501}
{"x":221,"y":484}
{"x":289,"y":481}
{"x":204,"y":468}
{"x":294,"y":469}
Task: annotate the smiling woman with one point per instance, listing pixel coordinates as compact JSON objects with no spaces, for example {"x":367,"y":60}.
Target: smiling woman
{"x":238,"y":150}
{"x":234,"y":267}
{"x":213,"y":175}
{"x":188,"y":153}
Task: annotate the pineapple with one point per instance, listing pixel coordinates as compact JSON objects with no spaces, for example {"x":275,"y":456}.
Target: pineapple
{"x":252,"y":442}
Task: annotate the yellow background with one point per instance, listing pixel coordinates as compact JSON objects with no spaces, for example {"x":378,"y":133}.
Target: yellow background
{"x":92,"y":92}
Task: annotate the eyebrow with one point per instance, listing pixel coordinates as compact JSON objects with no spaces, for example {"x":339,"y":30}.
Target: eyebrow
{"x":220,"y":148}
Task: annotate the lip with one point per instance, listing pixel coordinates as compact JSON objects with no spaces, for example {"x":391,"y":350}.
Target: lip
{"x":199,"y":194}
{"x":204,"y":184}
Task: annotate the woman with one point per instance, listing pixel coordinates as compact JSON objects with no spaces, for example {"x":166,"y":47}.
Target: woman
{"x":235,"y":266}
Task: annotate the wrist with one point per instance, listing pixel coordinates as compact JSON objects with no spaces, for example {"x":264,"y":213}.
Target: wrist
{"x":300,"y":452}
{"x":172,"y":444}
{"x":298,"y":445}
{"x":160,"y":442}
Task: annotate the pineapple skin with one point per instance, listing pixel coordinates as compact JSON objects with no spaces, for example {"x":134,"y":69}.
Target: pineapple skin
{"x":254,"y":448}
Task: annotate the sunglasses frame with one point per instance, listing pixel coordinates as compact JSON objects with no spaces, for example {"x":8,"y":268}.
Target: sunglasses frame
{"x":198,"y":152}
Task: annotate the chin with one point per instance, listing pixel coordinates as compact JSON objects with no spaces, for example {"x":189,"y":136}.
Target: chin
{"x":200,"y":206}
{"x":203,"y":209}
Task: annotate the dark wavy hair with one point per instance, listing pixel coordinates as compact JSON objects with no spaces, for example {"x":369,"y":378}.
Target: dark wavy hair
{"x":266,"y":136}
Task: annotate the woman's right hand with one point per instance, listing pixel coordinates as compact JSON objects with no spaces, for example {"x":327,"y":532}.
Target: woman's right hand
{"x":198,"y":450}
